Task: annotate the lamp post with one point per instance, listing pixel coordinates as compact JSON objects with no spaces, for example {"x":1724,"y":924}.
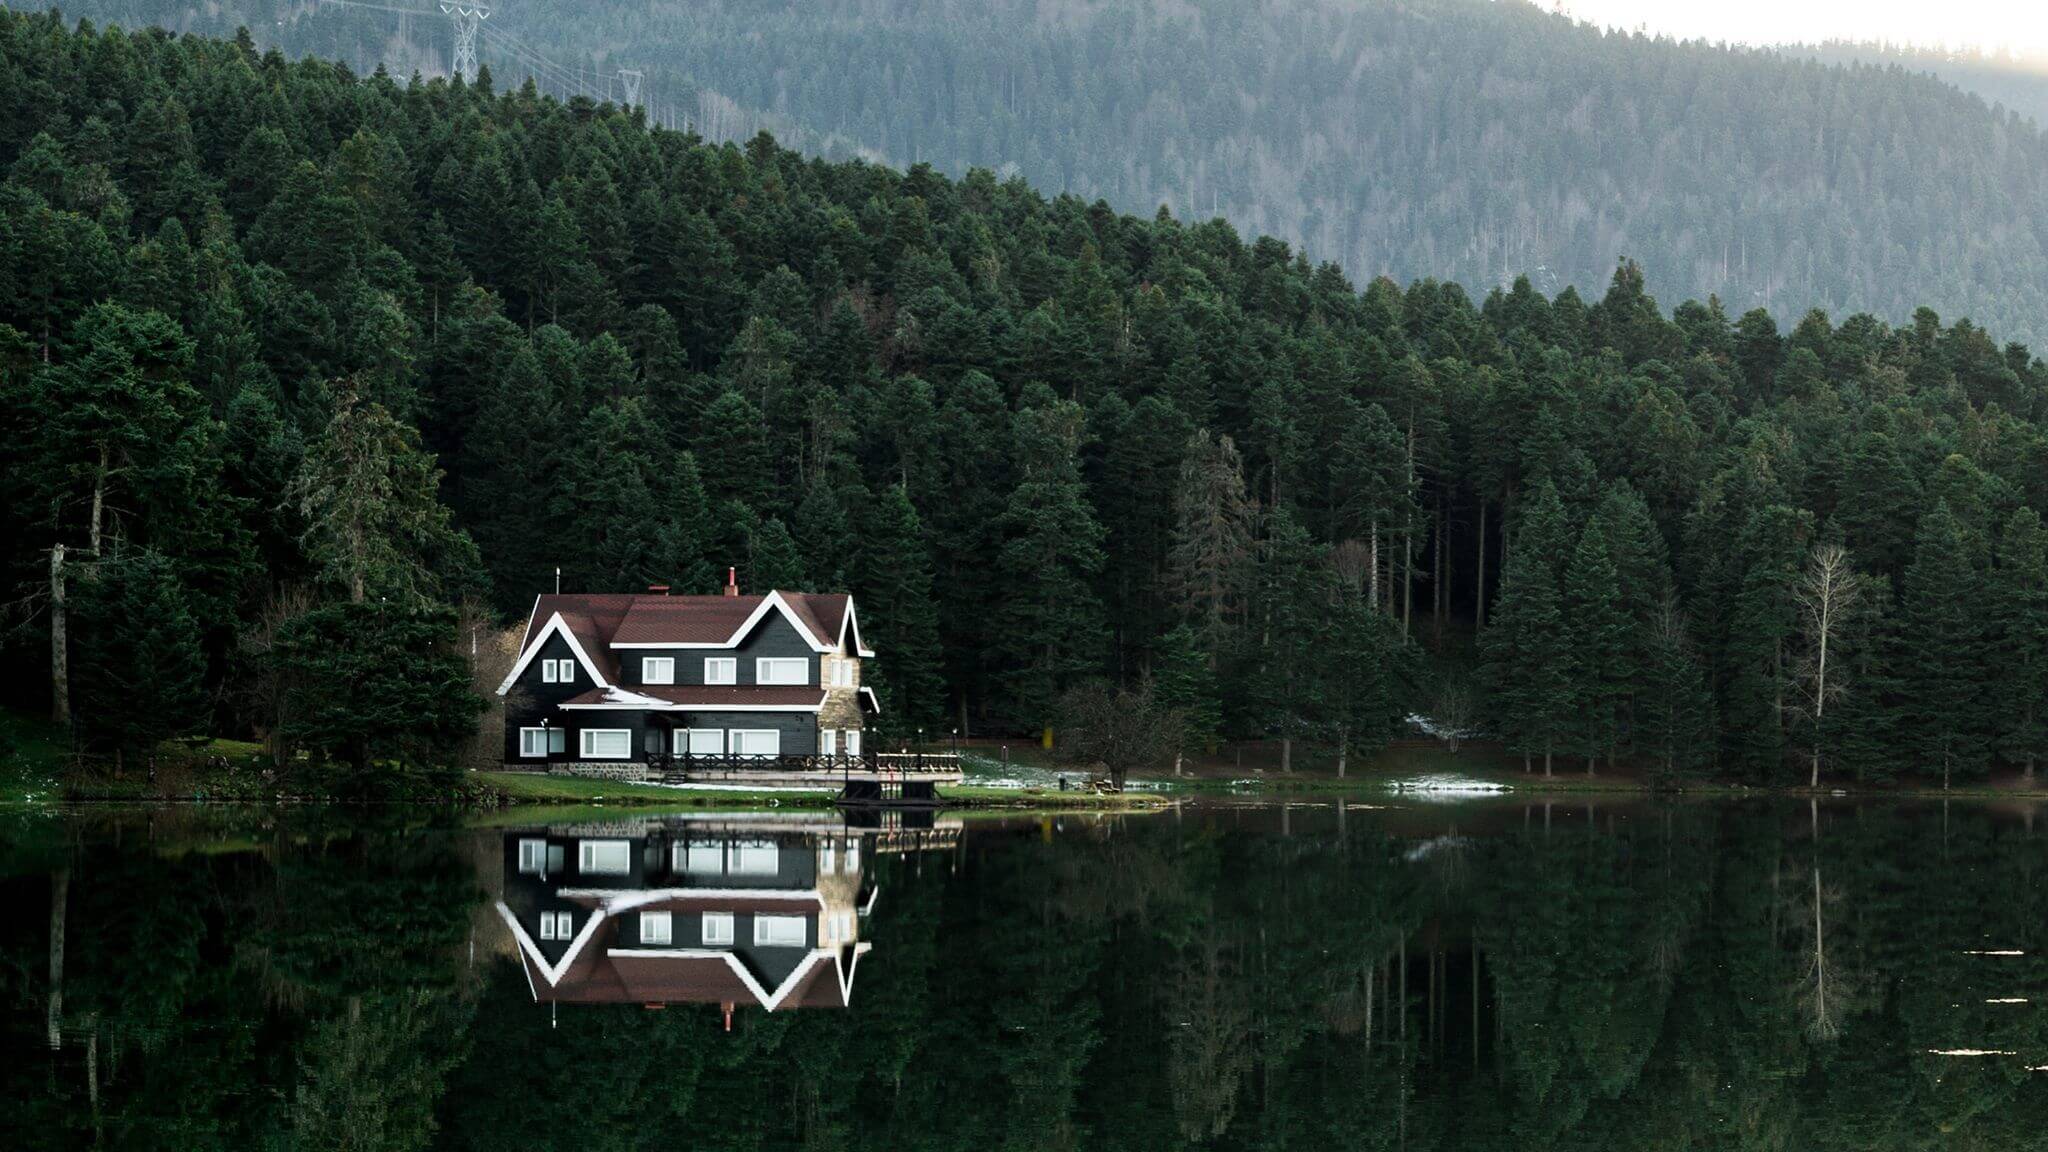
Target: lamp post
{"x":956,"y":743}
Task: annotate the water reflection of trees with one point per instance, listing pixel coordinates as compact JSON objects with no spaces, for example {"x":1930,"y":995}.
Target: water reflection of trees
{"x":1695,"y":977}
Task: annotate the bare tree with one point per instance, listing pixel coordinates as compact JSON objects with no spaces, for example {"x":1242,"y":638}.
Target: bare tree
{"x":1827,"y":594}
{"x":1118,"y":729}
{"x":1453,"y":710}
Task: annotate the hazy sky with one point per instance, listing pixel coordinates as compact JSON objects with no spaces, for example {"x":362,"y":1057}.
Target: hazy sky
{"x":2018,"y":25}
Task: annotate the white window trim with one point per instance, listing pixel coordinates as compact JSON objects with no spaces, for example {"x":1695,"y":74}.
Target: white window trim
{"x":721,"y":670}
{"x":763,"y":938}
{"x":658,"y":670}
{"x":541,"y":866}
{"x":527,"y":753}
{"x":662,"y":939}
{"x":547,"y":671}
{"x":557,"y":926}
{"x":732,"y":741}
{"x":585,"y":858}
{"x":684,"y":741}
{"x":555,"y":626}
{"x":763,"y":663}
{"x":717,"y":930}
{"x":852,"y":741}
{"x":828,"y":742}
{"x":583,"y":743}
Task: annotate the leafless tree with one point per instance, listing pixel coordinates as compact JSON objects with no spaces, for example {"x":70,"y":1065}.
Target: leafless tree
{"x":1827,"y":594}
{"x":1118,"y":729}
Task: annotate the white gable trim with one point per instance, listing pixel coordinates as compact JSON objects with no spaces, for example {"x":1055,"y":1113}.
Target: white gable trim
{"x":769,"y":1000}
{"x":555,"y":626}
{"x":859,"y":648}
{"x":552,"y":973}
{"x":772,"y":600}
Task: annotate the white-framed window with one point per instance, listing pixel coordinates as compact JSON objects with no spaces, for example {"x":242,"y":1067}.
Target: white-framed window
{"x":604,"y":857}
{"x":782,"y":670}
{"x":721,"y":670}
{"x":657,"y":928}
{"x":558,"y":926}
{"x":533,"y":857}
{"x":658,"y":670}
{"x":700,"y":741}
{"x":842,"y":673}
{"x":533,"y":742}
{"x":607,"y":743}
{"x":753,"y":858}
{"x":853,"y":855}
{"x":778,"y":931}
{"x":717,"y":929}
{"x":755,"y":741}
{"x":853,"y":741}
{"x":558,"y":671}
{"x":698,"y":859}
{"x":828,"y":742}
{"x":828,"y":857}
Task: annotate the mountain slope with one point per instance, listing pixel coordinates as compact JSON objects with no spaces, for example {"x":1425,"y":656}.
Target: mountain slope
{"x":1446,"y":138}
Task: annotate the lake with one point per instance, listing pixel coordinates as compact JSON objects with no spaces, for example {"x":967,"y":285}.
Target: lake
{"x":1481,"y":975}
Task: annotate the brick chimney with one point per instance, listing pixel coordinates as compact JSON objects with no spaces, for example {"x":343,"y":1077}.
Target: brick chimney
{"x":657,"y":589}
{"x":732,"y":581}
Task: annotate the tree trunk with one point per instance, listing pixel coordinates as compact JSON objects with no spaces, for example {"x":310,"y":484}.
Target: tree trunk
{"x":1287,"y":753}
{"x":60,"y":652}
{"x":1546,"y":763}
{"x":1343,"y":748}
{"x":60,"y":900}
{"x":1372,"y":592}
{"x":1479,"y":605}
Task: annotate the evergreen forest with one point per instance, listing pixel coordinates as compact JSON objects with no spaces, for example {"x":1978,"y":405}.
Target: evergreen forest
{"x":1464,"y":140}
{"x":310,"y":377}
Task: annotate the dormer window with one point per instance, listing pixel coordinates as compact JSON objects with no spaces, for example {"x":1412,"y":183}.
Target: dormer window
{"x":558,"y":671}
{"x":658,"y":670}
{"x":721,"y":670}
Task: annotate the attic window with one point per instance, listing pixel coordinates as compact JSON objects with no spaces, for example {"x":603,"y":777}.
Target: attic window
{"x":557,"y":925}
{"x":558,"y":671}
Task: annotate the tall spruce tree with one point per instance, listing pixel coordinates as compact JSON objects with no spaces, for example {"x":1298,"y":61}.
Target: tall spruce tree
{"x":2020,"y":598}
{"x":1604,"y":651}
{"x":1528,"y":650}
{"x":1184,"y":680}
{"x":139,"y":670}
{"x":899,"y":618}
{"x":1050,"y":618}
{"x":1944,"y":648}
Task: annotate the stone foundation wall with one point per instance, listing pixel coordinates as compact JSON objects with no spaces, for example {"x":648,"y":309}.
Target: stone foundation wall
{"x":600,"y":770}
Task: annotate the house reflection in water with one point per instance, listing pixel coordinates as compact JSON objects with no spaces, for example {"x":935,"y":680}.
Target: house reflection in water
{"x":736,"y":910}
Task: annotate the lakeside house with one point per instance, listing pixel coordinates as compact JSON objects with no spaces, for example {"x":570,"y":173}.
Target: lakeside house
{"x":736,"y":911}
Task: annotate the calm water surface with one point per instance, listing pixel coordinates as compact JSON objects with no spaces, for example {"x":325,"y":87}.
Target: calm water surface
{"x":1507,"y":975}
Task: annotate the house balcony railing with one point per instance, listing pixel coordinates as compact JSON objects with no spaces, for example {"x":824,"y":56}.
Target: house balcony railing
{"x":911,"y":764}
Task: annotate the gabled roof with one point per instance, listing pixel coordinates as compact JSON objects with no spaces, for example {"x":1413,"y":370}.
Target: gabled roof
{"x":594,"y":625}
{"x":590,"y":972}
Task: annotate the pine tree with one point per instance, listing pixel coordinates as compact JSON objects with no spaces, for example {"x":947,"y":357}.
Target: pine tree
{"x":1603,"y":645}
{"x":139,"y":671}
{"x":2020,"y":597}
{"x":1184,"y":680}
{"x":899,"y":617}
{"x":1944,"y":647}
{"x":1674,"y":712}
{"x":1529,"y":657}
{"x":1050,"y":621}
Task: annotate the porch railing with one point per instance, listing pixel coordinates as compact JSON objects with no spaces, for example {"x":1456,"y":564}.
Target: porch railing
{"x":894,"y":763}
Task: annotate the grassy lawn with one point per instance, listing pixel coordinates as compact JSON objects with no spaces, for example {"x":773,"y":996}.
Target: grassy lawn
{"x":532,"y":788}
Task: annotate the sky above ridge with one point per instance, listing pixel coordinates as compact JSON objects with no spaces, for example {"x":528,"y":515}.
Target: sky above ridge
{"x":2016,"y":26}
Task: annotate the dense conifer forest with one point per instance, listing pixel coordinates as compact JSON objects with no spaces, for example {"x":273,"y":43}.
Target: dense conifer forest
{"x":1463,"y":140}
{"x":311,"y":374}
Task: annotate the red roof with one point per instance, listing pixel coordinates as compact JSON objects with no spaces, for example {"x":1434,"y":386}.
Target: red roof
{"x":599,"y":621}
{"x":709,"y":696}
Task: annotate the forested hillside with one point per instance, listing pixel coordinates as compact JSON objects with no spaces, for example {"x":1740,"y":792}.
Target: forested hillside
{"x":2019,"y":83}
{"x":1456,"y":139}
{"x":294,"y":361}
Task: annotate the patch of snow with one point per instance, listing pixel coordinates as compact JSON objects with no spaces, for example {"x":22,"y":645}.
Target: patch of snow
{"x":1446,"y":786}
{"x":732,"y":788}
{"x":1993,"y":952}
{"x":1968,"y":1052}
{"x":1428,"y":848}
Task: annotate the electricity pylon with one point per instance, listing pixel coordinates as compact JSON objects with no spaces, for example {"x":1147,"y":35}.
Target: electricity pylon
{"x":630,"y":77}
{"x":467,"y":15}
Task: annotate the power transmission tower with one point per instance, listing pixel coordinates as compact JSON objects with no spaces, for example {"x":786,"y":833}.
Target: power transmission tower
{"x":630,"y":77}
{"x":467,"y":15}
